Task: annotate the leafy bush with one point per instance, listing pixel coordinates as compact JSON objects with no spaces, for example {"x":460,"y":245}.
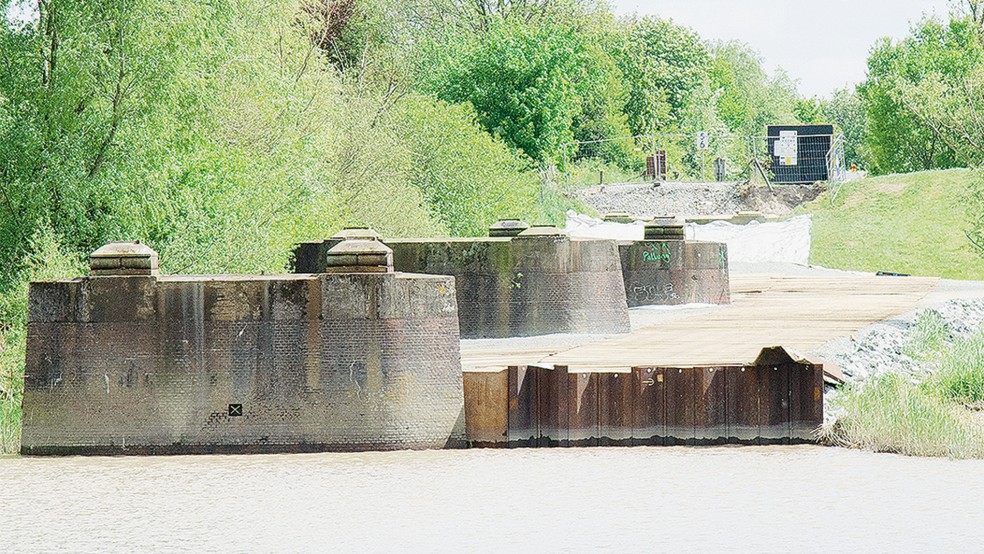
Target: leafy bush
{"x":47,"y":260}
{"x":469,"y":178}
{"x":973,"y":201}
{"x":524,"y":81}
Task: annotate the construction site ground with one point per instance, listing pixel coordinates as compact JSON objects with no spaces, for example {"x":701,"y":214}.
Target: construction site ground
{"x":697,"y":199}
{"x":858,"y":325}
{"x":796,"y":307}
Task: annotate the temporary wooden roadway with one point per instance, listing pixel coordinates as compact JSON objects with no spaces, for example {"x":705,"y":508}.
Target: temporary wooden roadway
{"x":799,"y":313}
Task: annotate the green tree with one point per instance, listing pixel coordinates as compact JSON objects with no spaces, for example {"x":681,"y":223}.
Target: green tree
{"x":468,"y":178}
{"x":810,"y":110}
{"x":846,"y":111}
{"x":603,"y":98}
{"x":663,"y":64}
{"x":213,"y":131}
{"x":748,"y":98}
{"x":117,"y":128}
{"x":525,"y":83}
{"x":897,"y":140}
{"x":478,"y":17}
{"x":952,"y":112}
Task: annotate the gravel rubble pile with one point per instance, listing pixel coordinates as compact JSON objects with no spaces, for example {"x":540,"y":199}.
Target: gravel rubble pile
{"x":647,"y":200}
{"x":696,"y":199}
{"x":882,"y":347}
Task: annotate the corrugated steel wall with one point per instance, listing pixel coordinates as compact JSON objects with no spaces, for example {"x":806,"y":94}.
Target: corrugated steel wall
{"x":533,"y":406}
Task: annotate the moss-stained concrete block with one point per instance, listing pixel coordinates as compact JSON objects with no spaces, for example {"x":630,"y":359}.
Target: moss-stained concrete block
{"x":526,"y":285}
{"x":182,"y":364}
{"x":670,"y":272}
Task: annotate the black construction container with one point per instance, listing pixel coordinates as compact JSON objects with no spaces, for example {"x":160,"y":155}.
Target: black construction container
{"x":810,"y":162}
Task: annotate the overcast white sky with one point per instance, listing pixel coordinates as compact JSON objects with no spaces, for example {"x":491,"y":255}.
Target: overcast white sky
{"x":822,"y":43}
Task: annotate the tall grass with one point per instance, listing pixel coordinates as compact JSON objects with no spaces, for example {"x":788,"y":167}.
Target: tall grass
{"x":554,"y":205}
{"x":931,"y":416}
{"x":893,"y":414}
{"x":961,"y":374}
{"x":10,"y":425}
{"x":930,"y":337}
{"x":12,"y":343}
{"x":593,"y":172}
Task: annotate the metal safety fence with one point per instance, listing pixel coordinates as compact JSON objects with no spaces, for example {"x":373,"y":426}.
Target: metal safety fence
{"x":783,"y":157}
{"x":610,"y":160}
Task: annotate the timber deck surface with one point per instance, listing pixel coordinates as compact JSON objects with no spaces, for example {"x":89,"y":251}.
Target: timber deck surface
{"x":797,"y":312}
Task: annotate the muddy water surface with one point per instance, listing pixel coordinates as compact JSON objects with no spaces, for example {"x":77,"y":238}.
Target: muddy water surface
{"x":777,"y":499}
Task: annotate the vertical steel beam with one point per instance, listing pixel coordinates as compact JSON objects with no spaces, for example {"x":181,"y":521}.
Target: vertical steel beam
{"x":710,"y":405}
{"x":523,"y":424}
{"x":649,"y":406}
{"x":805,"y":402}
{"x":583,"y":406}
{"x":615,"y":409}
{"x":486,"y":408}
{"x":552,"y":411}
{"x":774,"y":414}
{"x":742,"y":405}
{"x":681,"y":392}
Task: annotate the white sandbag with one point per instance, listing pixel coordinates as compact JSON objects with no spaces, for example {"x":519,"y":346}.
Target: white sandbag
{"x":785,"y":241}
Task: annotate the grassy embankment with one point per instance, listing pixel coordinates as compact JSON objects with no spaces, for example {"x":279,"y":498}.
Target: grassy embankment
{"x":912,"y":223}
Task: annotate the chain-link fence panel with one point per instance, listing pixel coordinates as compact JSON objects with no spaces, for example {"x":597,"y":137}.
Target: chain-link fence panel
{"x":597,"y":162}
{"x":782,"y":157}
{"x":803,"y":153}
{"x":802,"y":159}
{"x":703,"y":157}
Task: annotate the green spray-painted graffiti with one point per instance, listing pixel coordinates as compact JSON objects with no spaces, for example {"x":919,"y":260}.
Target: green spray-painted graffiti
{"x":723,"y":253}
{"x":657,"y":252}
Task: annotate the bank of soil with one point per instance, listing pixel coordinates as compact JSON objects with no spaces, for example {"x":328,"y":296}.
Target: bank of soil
{"x":697,"y":199}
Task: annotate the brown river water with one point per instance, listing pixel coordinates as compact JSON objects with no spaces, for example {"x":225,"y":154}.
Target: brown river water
{"x":772,"y":499}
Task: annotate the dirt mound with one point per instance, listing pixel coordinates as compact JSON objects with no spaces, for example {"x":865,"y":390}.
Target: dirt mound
{"x":781,"y":200}
{"x":697,"y":199}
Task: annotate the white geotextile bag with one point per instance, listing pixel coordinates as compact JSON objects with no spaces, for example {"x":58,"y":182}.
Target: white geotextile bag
{"x":785,"y":241}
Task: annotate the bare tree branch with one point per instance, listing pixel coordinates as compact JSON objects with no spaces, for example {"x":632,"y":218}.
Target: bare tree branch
{"x":975,"y":242}
{"x":117,"y":101}
{"x":48,"y":15}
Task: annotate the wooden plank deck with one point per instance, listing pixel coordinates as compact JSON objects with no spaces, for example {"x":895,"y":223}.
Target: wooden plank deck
{"x":797,"y":312}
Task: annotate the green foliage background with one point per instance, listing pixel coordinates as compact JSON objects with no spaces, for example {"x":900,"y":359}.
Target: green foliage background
{"x":898,"y":140}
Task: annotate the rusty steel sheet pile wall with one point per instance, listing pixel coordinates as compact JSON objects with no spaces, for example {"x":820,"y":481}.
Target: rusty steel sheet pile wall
{"x":206,"y":364}
{"x":525,"y":406}
{"x":670,"y":272}
{"x":524,"y":286}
